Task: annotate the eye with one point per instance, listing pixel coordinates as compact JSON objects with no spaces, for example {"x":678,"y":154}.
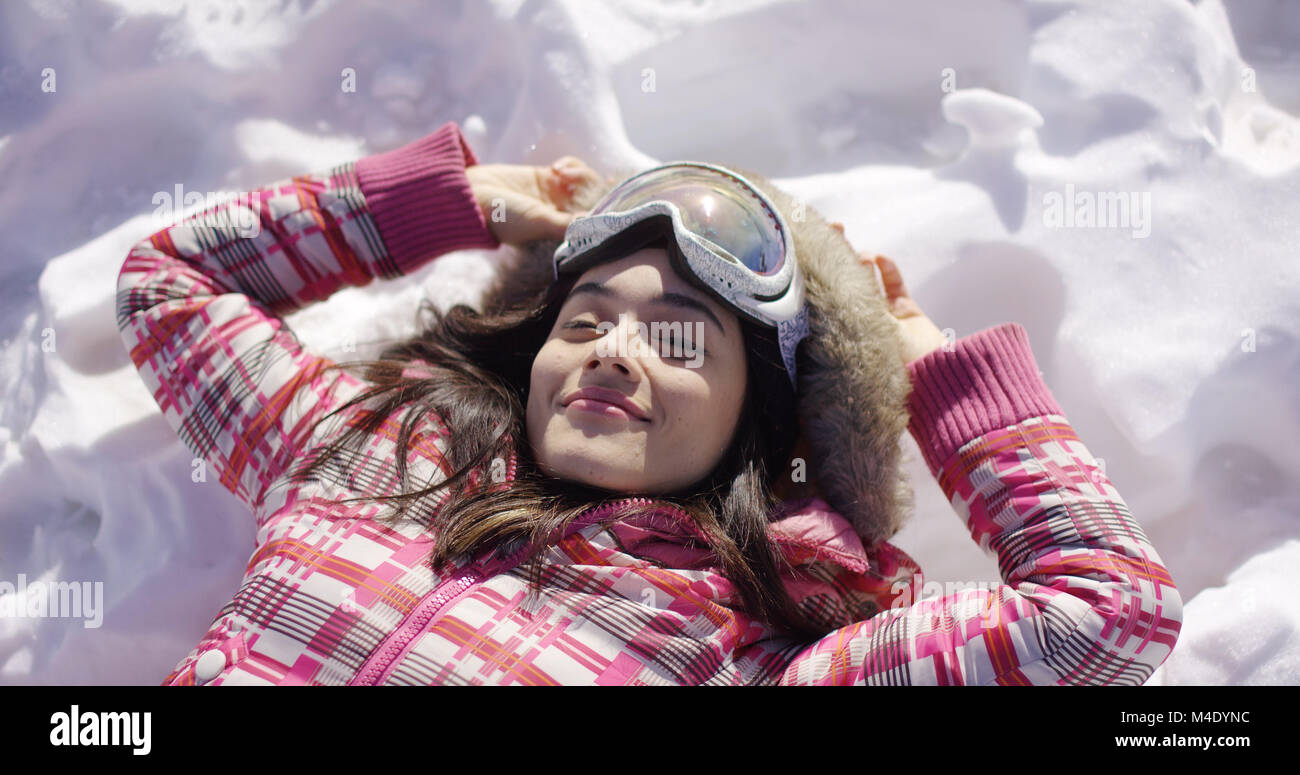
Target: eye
{"x":666,"y":349}
{"x":675,"y":345}
{"x":669,"y":347}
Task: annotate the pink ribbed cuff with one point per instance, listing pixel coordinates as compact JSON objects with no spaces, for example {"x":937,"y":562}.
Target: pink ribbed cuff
{"x":421,"y":199}
{"x":988,"y":381}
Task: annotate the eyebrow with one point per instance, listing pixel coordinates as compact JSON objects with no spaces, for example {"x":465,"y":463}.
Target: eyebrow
{"x":679,"y":300}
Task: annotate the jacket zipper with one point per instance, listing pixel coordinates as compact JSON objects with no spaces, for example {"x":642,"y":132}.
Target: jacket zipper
{"x":380,"y":663}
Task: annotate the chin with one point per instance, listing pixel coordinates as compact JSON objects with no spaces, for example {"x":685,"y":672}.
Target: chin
{"x":592,"y":474}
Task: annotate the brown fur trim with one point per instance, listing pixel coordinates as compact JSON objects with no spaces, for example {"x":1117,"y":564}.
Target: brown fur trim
{"x":853,"y":392}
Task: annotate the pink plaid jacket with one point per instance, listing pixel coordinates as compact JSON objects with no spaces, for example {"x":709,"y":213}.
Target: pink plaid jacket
{"x":351,"y":600}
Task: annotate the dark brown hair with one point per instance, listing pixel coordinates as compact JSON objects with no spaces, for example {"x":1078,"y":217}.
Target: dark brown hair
{"x":481,"y":363}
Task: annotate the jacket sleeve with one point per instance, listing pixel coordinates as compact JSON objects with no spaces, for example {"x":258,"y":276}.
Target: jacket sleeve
{"x":1085,"y":600}
{"x":199,"y":304}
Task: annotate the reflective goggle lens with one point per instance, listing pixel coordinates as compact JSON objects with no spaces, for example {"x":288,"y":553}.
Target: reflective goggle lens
{"x":714,"y":207}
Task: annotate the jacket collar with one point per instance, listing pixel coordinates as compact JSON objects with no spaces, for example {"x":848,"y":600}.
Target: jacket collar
{"x":831,"y":573}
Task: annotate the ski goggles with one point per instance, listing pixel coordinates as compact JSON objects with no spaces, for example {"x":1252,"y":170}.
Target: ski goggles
{"x":723,"y":234}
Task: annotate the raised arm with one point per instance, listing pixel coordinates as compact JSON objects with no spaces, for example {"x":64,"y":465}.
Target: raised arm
{"x":199,"y":305}
{"x":1085,"y":600}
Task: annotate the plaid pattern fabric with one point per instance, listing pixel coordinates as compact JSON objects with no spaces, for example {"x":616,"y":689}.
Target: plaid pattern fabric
{"x":1086,"y":598}
{"x":333,"y":596}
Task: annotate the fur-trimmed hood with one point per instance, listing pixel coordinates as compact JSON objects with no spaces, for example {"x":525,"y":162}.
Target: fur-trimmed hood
{"x":852,"y":385}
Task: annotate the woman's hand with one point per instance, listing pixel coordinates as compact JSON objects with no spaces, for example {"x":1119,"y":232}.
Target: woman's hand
{"x":522,"y":203}
{"x":920,"y":335}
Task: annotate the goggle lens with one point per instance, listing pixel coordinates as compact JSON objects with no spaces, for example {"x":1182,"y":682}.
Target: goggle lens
{"x":714,"y":207}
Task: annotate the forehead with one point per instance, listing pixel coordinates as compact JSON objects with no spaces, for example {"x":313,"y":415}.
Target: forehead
{"x":645,"y":274}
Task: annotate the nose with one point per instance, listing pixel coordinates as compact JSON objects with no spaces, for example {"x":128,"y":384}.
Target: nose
{"x":618,"y":348}
{"x":618,"y":364}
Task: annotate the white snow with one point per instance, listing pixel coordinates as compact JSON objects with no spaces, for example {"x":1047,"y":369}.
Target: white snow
{"x":969,"y":141}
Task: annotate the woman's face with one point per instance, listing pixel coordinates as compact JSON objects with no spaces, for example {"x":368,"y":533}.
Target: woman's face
{"x":635,"y":330}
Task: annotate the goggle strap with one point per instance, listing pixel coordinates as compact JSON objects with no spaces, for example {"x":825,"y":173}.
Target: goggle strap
{"x":789,"y":334}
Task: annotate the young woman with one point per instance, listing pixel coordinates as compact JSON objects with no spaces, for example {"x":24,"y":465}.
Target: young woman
{"x":636,"y":462}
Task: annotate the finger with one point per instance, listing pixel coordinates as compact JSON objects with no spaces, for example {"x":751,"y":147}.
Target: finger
{"x":893,"y":278}
{"x":557,"y":187}
{"x":569,"y":164}
{"x":577,"y":176}
{"x":868,"y":260}
{"x":870,"y":263}
{"x":564,"y":182}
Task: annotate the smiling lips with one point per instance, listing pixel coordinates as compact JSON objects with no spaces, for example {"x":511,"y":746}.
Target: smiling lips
{"x":607,"y":402}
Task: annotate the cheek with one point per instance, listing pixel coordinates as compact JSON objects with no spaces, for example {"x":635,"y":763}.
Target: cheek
{"x":544,"y":361}
{"x":535,"y":409}
{"x":547,"y":374}
{"x":729,"y":398}
{"x":696,"y":405}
